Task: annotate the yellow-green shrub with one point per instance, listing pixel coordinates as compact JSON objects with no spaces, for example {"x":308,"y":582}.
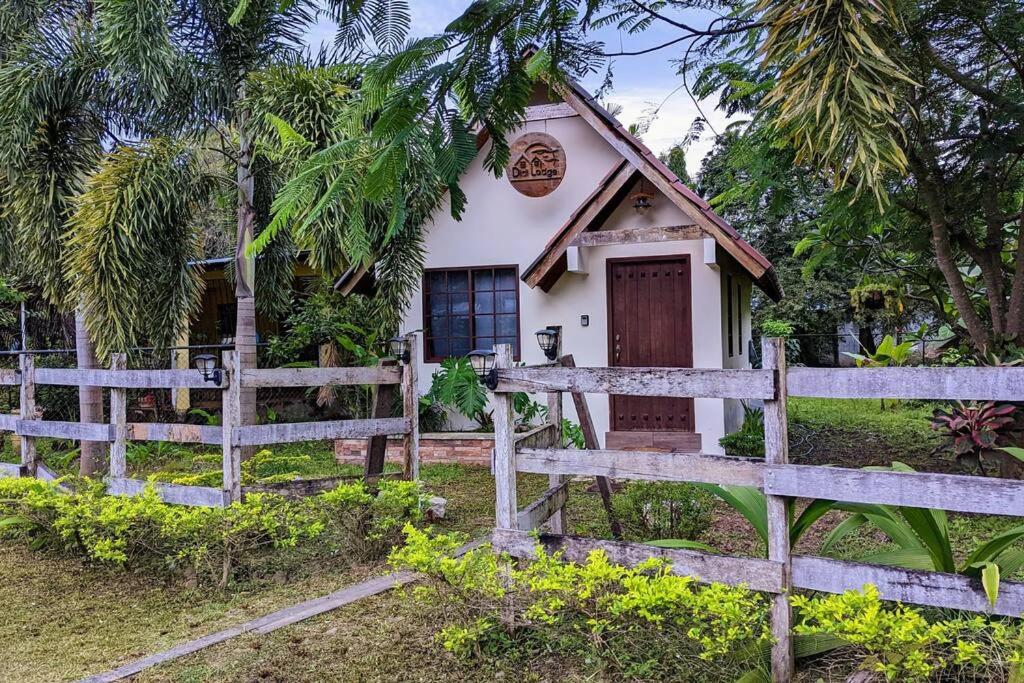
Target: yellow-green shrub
{"x":898,"y":642}
{"x":142,"y":531}
{"x":641,"y":622}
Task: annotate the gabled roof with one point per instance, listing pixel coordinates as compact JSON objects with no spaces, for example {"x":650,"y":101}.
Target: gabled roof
{"x":638,"y":160}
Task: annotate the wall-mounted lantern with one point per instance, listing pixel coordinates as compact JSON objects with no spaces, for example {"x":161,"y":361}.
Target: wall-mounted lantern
{"x":548,"y":341}
{"x":483,"y":366}
{"x":400,"y":349}
{"x":643,"y":199}
{"x":206,"y":364}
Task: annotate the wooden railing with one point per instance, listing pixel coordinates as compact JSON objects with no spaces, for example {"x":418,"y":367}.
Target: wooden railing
{"x":781,"y":482}
{"x":231,"y":435}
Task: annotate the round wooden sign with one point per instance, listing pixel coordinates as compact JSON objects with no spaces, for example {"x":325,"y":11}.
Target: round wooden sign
{"x":537,"y":164}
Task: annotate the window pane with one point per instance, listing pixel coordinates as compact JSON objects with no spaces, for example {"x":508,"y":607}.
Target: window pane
{"x":506,"y":325}
{"x":509,"y":340}
{"x":483,"y":302}
{"x":438,"y":326}
{"x":506,"y":302}
{"x":483,"y":279}
{"x":458,"y":281}
{"x":459,"y":346}
{"x":438,"y":304}
{"x":437,"y":281}
{"x":484,"y":325}
{"x":439,"y":348}
{"x":460,"y":326}
{"x":460,"y":304}
{"x":485,"y":343}
{"x":505,"y":278}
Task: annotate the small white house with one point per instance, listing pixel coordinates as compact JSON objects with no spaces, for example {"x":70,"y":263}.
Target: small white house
{"x":588,"y":231}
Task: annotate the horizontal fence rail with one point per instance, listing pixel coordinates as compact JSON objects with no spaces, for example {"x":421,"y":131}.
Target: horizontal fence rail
{"x":10,"y":378}
{"x":257,"y":435}
{"x":318,"y":377}
{"x":979,"y":384}
{"x":126,"y":379}
{"x":667,"y":382}
{"x":201,"y":496}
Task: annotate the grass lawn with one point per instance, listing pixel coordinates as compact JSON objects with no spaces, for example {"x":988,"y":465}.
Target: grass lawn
{"x":65,"y":619}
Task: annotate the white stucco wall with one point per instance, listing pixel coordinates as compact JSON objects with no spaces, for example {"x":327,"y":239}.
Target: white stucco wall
{"x":500,"y":226}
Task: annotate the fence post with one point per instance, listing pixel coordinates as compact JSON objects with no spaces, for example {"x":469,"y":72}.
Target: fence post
{"x":559,"y":522}
{"x":119,"y":421}
{"x":27,"y":411}
{"x":506,"y":509}
{"x":377,"y":446}
{"x":410,"y":410}
{"x":231,"y":414}
{"x":776,"y":452}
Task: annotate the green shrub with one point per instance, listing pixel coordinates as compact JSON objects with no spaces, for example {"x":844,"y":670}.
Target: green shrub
{"x":651,"y":510}
{"x":899,"y":643}
{"x":347,"y":522}
{"x":776,"y":328}
{"x":741,"y":443}
{"x":641,"y":623}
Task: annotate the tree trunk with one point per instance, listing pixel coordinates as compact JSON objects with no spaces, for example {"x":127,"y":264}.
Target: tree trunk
{"x":90,"y":401}
{"x":866,"y":338}
{"x":1015,"y":309}
{"x":245,"y":270}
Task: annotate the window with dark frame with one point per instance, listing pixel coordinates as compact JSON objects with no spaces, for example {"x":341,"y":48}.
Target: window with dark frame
{"x":470,"y":308}
{"x":728,"y":298}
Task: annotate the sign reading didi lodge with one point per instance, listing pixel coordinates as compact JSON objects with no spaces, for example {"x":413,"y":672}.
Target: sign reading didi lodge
{"x":536,"y":165}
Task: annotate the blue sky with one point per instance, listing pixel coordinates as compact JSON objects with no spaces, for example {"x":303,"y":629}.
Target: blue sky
{"x":641,"y":83}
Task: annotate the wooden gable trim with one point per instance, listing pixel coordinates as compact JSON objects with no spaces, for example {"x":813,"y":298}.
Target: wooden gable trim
{"x":552,"y":260}
{"x":546,"y":112}
{"x":691,"y":204}
{"x":674,"y":233}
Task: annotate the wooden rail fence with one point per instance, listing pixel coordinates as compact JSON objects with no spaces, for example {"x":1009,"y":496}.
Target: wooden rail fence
{"x":781,"y":482}
{"x":231,"y":435}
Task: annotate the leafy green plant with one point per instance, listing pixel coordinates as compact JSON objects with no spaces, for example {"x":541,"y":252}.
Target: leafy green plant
{"x":922,"y":537}
{"x":776,"y":328}
{"x":208,"y":418}
{"x":633,"y":623}
{"x":455,"y":386}
{"x":972,"y":429}
{"x":748,"y":440}
{"x":657,"y":510}
{"x":888,"y":354}
{"x":572,"y":434}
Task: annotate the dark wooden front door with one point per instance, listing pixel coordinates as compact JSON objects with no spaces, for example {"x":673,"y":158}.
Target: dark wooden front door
{"x":650,"y":325}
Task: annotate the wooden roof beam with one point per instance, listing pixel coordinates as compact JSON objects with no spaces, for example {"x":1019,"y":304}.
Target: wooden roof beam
{"x":673,"y":233}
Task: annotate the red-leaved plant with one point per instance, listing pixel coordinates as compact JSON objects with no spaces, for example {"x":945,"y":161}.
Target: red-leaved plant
{"x":974,"y":428}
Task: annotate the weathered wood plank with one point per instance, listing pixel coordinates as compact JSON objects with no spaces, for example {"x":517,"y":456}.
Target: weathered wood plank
{"x":667,"y":382}
{"x":776,"y":452}
{"x":411,"y":411}
{"x":8,"y":423}
{"x":78,"y":431}
{"x":546,"y":112}
{"x":981,"y":384}
{"x":673,"y":233}
{"x":174,"y":433}
{"x":10,"y":469}
{"x":544,"y":508}
{"x":124,"y":379}
{"x":259,"y":435}
{"x":118,"y":421}
{"x":560,"y":519}
{"x":9,"y":378}
{"x":27,"y":409}
{"x":910,"y":586}
{"x":303,"y":488}
{"x":318,"y":377}
{"x":537,"y":437}
{"x":506,"y":513}
{"x":377,"y":446}
{"x":201,"y":496}
{"x":957,"y":492}
{"x":650,"y":466}
{"x":757,"y":574}
{"x":231,"y":419}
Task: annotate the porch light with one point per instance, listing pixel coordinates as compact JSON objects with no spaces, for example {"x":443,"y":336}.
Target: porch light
{"x":206,"y":364}
{"x":548,"y":341}
{"x":483,"y":366}
{"x":643,"y":199}
{"x":400,"y":349}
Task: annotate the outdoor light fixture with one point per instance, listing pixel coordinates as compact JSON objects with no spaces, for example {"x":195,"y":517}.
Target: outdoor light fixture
{"x":483,"y":366}
{"x":400,"y":348}
{"x":643,"y":200}
{"x":548,"y":340}
{"x":206,"y":364}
